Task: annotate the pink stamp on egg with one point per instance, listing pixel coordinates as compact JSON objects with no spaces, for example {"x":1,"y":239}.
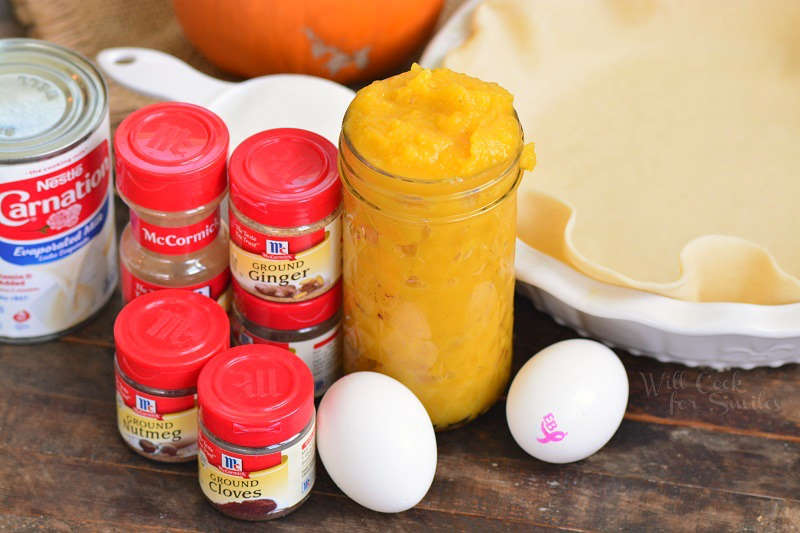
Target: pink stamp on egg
{"x":550,"y":430}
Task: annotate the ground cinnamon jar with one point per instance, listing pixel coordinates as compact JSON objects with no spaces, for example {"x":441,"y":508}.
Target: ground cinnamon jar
{"x":163,"y":339}
{"x":309,"y":329}
{"x":285,"y":198}
{"x":170,"y":162}
{"x":256,"y":444}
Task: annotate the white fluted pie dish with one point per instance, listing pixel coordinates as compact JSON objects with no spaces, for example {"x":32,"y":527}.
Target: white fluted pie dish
{"x":718,"y":335}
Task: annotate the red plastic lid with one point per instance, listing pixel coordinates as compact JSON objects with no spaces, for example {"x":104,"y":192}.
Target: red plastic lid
{"x":171,"y":157}
{"x":164,"y":338}
{"x":288,"y":316}
{"x":256,"y":395}
{"x":285,"y":178}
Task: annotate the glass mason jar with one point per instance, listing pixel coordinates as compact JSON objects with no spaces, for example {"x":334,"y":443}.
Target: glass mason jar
{"x":428,"y":273}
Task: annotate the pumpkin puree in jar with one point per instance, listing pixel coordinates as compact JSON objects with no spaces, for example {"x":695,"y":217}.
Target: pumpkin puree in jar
{"x":435,"y":124}
{"x":431,"y":160}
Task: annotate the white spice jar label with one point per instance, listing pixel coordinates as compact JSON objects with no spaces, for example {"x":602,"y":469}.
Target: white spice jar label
{"x":256,"y":484}
{"x":286,"y":268}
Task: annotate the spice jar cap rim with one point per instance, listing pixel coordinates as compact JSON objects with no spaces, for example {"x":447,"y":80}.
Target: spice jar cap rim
{"x":256,"y":395}
{"x":164,"y":338}
{"x":285,"y":177}
{"x":171,"y":156}
{"x":291,"y":315}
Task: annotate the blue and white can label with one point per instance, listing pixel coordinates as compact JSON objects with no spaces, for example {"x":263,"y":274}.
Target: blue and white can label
{"x":57,"y":241}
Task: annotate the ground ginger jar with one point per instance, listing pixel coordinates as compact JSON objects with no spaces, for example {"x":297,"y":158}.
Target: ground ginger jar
{"x":430,"y":162}
{"x":285,"y":207}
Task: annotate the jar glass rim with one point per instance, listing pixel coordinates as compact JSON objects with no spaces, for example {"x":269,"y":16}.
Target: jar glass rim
{"x":507,"y":165}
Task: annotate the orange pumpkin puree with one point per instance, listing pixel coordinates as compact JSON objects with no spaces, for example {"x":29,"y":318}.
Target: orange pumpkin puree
{"x":435,"y":124}
{"x":430,"y":160}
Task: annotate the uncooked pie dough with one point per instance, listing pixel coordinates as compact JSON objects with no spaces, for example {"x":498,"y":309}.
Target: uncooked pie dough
{"x":667,"y":135}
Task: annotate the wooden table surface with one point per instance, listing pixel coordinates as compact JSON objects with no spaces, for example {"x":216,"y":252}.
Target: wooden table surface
{"x":698,"y":450}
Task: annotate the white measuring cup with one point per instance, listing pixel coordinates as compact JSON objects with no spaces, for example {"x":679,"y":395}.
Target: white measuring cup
{"x":273,"y":101}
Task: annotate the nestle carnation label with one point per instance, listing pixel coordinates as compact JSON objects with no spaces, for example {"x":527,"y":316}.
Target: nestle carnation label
{"x":57,"y":245}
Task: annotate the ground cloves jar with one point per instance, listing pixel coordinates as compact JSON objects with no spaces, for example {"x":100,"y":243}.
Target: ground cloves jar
{"x":310,"y":329}
{"x":285,"y":198}
{"x":163,"y":339}
{"x":257,"y":452}
{"x":171,"y":171}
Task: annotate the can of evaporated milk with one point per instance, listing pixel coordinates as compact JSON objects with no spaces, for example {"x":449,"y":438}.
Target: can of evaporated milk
{"x":57,"y":239}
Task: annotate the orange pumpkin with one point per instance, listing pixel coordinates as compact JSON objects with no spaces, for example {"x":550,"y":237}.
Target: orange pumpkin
{"x":344,"y":40}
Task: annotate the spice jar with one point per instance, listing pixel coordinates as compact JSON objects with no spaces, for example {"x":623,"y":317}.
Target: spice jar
{"x":284,"y":213}
{"x":257,"y":451}
{"x":309,"y":329}
{"x":170,"y":161}
{"x":163,"y":339}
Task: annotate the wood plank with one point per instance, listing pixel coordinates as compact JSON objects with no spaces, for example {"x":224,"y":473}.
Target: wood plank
{"x":651,"y":469}
{"x":78,"y":385}
{"x":478,"y":464}
{"x":761,"y":400}
{"x":764,"y":399}
{"x":586,"y":500}
{"x":581,"y":501}
{"x":666,"y":454}
{"x":85,"y":491}
{"x":59,"y":369}
{"x":33,"y":524}
{"x":742,"y":464}
{"x":9,"y":26}
{"x":86,"y":374}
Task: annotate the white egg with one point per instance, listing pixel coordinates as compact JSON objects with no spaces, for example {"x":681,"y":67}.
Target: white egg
{"x":567,"y":401}
{"x":376,"y":441}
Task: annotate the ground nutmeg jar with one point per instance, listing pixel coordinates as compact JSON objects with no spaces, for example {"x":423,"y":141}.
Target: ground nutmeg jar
{"x":163,"y":339}
{"x":256,"y":444}
{"x":171,"y":171}
{"x":285,"y":198}
{"x":309,"y":329}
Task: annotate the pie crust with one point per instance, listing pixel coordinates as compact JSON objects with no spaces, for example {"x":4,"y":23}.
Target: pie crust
{"x":667,"y":136}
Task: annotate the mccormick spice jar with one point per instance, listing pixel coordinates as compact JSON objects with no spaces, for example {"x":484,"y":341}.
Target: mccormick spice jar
{"x":57,"y":238}
{"x":284,"y":213}
{"x":163,"y":340}
{"x":170,"y":161}
{"x":309,"y":329}
{"x":257,"y":454}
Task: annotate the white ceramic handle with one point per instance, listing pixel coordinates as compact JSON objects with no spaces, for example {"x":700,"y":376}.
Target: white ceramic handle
{"x":159,"y":75}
